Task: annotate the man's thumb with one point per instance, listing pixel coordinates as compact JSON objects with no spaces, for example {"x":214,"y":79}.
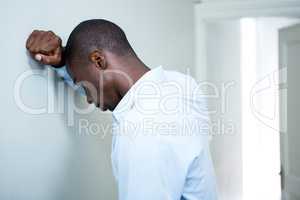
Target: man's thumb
{"x":38,"y":57}
{"x":43,"y":58}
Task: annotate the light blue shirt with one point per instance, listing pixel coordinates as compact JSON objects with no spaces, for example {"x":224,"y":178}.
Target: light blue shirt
{"x":160,"y":147}
{"x":62,"y":72}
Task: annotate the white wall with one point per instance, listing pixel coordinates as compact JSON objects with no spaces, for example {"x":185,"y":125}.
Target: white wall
{"x":223,"y":71}
{"x":41,"y":157}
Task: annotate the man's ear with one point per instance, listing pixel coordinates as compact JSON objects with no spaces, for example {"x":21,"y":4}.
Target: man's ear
{"x":97,"y":57}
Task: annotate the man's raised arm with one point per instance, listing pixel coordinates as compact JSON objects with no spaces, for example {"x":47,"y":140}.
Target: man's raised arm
{"x":46,"y":48}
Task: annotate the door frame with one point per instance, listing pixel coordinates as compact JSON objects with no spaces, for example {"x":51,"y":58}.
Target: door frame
{"x":289,"y":182}
{"x":207,"y":10}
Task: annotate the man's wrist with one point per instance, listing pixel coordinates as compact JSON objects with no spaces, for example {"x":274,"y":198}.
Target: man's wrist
{"x":62,"y":60}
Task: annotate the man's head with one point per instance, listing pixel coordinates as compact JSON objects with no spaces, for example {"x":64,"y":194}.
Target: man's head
{"x":93,"y":50}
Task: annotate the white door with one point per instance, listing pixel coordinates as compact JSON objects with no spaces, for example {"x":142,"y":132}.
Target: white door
{"x":289,"y":50}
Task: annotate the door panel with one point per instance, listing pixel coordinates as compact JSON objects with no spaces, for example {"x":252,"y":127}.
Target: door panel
{"x":289,"y":50}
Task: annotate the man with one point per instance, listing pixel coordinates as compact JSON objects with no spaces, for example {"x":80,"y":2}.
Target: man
{"x":158,"y":150}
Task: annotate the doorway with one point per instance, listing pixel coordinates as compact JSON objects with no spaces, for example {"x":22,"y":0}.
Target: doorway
{"x":260,"y":106}
{"x":245,"y":52}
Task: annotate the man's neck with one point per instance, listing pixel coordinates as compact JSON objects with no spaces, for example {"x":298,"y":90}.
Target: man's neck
{"x":132,"y":74}
{"x":128,"y":71}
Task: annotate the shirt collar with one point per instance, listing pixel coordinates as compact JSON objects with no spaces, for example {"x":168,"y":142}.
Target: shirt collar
{"x":127,"y":102}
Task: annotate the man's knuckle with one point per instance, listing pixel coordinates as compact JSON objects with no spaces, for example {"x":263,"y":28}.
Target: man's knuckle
{"x":50,"y":32}
{"x":31,"y":48}
{"x":56,"y":39}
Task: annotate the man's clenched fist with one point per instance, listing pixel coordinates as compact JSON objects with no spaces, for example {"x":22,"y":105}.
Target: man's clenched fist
{"x":46,"y":47}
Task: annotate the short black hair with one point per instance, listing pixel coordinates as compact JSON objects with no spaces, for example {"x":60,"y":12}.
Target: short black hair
{"x":97,"y":33}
